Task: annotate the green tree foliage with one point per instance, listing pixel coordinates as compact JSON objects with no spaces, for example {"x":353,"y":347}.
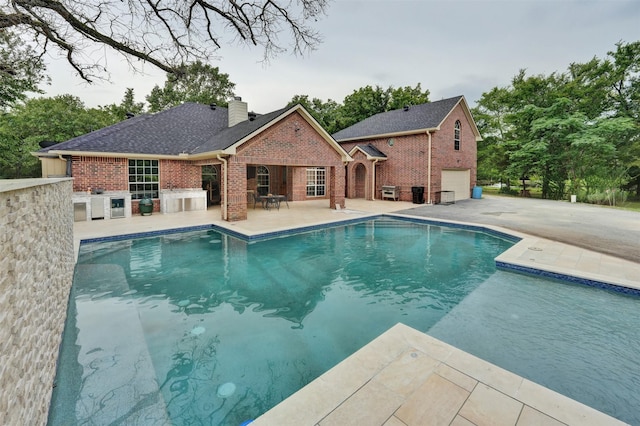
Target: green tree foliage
{"x":54,"y":119}
{"x":362,"y":103}
{"x":625,"y":80}
{"x":325,"y":113}
{"x":575,"y":130}
{"x":20,"y":70}
{"x":197,"y":82}
{"x":127,"y":106}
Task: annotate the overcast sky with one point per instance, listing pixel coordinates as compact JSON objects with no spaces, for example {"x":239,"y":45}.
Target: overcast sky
{"x":450,"y":47}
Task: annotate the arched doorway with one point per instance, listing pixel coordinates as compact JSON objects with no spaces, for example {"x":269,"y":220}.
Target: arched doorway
{"x":263,"y":180}
{"x":360,"y":181}
{"x":211,"y":184}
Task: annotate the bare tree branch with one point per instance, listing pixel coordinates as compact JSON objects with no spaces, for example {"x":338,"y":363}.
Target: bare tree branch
{"x":165,"y":33}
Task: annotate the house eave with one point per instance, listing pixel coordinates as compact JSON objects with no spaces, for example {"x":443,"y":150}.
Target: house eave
{"x":56,"y":153}
{"x":367,"y":155}
{"x":390,"y":135}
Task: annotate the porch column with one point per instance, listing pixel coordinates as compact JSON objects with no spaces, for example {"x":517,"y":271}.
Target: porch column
{"x":336,"y":187}
{"x":236,"y":190}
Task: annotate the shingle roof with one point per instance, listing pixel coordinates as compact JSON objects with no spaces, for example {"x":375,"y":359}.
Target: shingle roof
{"x":171,"y":132}
{"x":230,"y":135}
{"x":371,"y":151}
{"x":189,"y":128}
{"x":417,"y":117}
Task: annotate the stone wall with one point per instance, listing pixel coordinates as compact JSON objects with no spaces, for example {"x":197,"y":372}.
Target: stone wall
{"x":36,"y":271}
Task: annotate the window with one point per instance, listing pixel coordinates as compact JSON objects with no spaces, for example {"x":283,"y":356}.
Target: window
{"x":316,"y":182}
{"x":262,"y":179}
{"x":456,"y":136}
{"x":143,"y":179}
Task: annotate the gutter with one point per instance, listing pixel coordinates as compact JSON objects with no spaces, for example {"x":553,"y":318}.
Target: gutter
{"x":373,"y":179}
{"x":429,"y":170}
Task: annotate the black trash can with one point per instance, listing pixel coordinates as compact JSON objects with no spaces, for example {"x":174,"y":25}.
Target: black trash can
{"x":146,"y":206}
{"x":418,"y":194}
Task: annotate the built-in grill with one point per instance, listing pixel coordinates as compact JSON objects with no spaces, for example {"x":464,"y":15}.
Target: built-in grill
{"x":390,"y":191}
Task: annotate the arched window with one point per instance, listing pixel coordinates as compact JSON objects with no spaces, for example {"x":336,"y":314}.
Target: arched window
{"x":262,"y":179}
{"x":209,"y":174}
{"x":456,"y":136}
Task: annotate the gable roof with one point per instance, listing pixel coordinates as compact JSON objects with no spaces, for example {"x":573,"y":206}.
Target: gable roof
{"x":370,"y":151}
{"x":417,"y":118}
{"x":188,"y":130}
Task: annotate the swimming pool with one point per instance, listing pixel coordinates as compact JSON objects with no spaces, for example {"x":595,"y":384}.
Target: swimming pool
{"x":202,"y":327}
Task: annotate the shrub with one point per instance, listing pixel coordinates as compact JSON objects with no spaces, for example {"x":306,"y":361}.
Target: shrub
{"x":609,"y":197}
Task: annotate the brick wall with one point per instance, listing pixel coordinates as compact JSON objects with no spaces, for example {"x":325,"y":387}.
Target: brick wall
{"x":180,"y":174}
{"x":445,"y":157}
{"x":36,"y":272}
{"x":111,"y":174}
{"x":406,"y":164}
{"x":294,"y":143}
{"x":407,"y":158}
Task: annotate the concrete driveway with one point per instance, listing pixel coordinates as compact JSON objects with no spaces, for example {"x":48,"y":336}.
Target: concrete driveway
{"x":601,"y":229}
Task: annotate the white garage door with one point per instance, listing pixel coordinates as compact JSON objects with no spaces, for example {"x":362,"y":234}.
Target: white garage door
{"x":458,"y":181}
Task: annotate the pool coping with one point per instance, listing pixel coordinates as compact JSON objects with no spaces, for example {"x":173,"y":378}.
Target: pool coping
{"x":414,"y":378}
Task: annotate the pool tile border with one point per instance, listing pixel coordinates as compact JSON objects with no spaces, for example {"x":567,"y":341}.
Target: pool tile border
{"x":572,"y":279}
{"x":502,"y":265}
{"x":146,"y":234}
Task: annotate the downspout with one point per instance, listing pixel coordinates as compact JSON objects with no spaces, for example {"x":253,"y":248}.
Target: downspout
{"x":224,"y":187}
{"x":67,"y":165}
{"x":429,"y":170}
{"x":373,"y":180}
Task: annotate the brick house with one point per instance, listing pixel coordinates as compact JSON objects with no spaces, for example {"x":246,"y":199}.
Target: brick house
{"x":429,"y":147}
{"x":193,"y":155}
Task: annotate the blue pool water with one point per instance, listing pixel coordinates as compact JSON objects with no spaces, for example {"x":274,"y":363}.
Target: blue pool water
{"x":204,"y":328}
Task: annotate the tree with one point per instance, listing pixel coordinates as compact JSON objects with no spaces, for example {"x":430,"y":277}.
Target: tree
{"x":127,"y":106}
{"x":54,"y":119}
{"x":20,"y":70}
{"x":325,"y":113}
{"x":197,"y":82}
{"x":490,"y":116}
{"x":403,"y":96}
{"x":362,"y":103}
{"x":625,"y":79}
{"x":165,"y":33}
{"x":580,"y":127}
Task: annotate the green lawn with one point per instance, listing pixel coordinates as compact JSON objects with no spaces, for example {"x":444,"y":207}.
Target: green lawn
{"x":536,"y":193}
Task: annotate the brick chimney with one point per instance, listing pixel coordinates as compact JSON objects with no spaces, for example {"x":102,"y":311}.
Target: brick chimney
{"x":238,"y":111}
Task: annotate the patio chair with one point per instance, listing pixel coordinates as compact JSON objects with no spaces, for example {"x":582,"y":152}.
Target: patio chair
{"x":258,"y":199}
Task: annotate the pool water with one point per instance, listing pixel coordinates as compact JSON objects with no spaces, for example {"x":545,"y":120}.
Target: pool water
{"x":204,"y":328}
